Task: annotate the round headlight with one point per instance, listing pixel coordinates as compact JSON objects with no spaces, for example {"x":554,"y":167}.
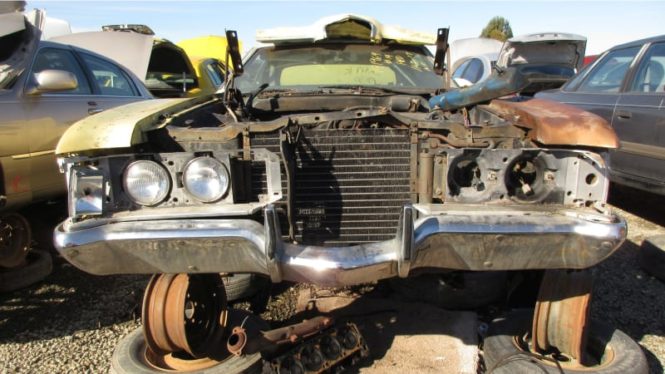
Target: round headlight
{"x":146,"y":182}
{"x":206,"y":179}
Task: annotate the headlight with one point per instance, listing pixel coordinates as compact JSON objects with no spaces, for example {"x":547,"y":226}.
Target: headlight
{"x":146,"y":182}
{"x":206,"y":179}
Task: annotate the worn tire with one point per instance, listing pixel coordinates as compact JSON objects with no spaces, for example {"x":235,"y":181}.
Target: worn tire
{"x":20,"y":238}
{"x":474,"y":290}
{"x":129,"y":358}
{"x":652,"y":256}
{"x":39,"y":265}
{"x":502,"y":355}
{"x":242,"y":286}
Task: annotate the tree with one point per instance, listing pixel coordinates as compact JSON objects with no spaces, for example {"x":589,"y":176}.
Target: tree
{"x":497,"y":28}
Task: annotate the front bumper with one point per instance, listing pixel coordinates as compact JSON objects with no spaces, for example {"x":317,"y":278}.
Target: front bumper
{"x":449,"y":237}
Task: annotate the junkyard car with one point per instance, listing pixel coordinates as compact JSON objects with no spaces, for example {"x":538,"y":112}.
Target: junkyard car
{"x":166,"y":69}
{"x":331,"y":161}
{"x":556,"y":56}
{"x":626,"y":86}
{"x":44,"y":88}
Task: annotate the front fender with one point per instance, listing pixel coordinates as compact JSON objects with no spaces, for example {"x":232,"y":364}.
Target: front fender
{"x":122,"y":127}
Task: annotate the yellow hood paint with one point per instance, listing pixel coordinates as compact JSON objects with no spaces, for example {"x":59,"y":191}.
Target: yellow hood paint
{"x":123,"y":126}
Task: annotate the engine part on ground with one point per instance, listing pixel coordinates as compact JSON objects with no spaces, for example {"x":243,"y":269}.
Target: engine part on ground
{"x":652,"y":256}
{"x":38,"y":265}
{"x":15,"y":239}
{"x":331,"y":350}
{"x":562,"y":312}
{"x":268,"y":342}
{"x":183,"y":312}
{"x":608,"y":350}
{"x":453,"y":291}
{"x":132,"y":355}
{"x":241,"y":286}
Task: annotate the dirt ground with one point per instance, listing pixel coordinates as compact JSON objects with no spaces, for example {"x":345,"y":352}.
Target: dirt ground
{"x":72,"y":321}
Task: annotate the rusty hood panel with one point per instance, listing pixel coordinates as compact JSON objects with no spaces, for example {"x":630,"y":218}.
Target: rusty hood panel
{"x":122,"y":127}
{"x":554,"y":123}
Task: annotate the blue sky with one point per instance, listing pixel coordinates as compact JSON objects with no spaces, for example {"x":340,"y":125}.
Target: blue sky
{"x":604,"y":23}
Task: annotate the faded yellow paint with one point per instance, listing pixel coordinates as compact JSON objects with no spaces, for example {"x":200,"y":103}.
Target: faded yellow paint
{"x":337,"y":74}
{"x":123,"y":126}
{"x":209,"y":46}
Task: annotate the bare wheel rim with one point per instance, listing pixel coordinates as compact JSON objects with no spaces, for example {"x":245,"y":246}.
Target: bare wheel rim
{"x":560,"y":320}
{"x":183,"y":312}
{"x":15,"y":238}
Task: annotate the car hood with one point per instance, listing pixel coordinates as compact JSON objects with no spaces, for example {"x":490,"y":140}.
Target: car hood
{"x":549,"y":48}
{"x":344,"y":26}
{"x":19,"y":39}
{"x":134,"y":54}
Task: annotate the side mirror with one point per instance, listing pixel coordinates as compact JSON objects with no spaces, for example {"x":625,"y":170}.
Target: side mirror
{"x":233,"y":51}
{"x":53,"y":81}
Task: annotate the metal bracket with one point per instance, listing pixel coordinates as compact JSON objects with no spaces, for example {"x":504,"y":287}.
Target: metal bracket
{"x":441,"y":49}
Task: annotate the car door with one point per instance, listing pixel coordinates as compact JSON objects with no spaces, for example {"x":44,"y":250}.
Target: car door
{"x":48,"y":115}
{"x":111,"y":85}
{"x":597,"y":89}
{"x":639,"y":120}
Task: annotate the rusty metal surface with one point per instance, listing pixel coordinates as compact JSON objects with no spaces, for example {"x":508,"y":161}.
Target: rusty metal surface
{"x":241,"y":341}
{"x":553,"y":123}
{"x":182,"y":313}
{"x":15,"y":238}
{"x":561,"y":314}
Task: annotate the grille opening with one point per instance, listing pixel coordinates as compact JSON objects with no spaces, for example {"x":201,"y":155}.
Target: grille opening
{"x":350,"y":184}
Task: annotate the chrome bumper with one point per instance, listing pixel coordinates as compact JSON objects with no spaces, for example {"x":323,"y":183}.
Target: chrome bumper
{"x":448,"y":237}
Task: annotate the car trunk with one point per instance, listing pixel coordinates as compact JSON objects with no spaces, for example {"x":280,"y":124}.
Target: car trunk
{"x":548,"y":59}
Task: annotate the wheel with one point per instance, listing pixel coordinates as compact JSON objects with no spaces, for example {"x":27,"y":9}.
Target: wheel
{"x":183,"y":312}
{"x":610,"y":351}
{"x":39,"y":265}
{"x":562,"y":311}
{"x":460,"y":290}
{"x":242,"y":286}
{"x":15,"y":239}
{"x":132,"y":355}
{"x":652,"y":256}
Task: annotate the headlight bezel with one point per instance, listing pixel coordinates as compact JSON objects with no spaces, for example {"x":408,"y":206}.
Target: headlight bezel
{"x":221,"y":166}
{"x":164,"y":194}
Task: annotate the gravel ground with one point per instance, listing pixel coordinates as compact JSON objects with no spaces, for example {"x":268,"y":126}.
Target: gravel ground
{"x":72,"y":321}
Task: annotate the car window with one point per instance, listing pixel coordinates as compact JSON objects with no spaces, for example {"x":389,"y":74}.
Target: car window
{"x":215,"y":72}
{"x":650,"y":75}
{"x":474,"y":71}
{"x":61,"y":59}
{"x":608,"y":73}
{"x":460,"y":69}
{"x":109,"y":78}
{"x":308,"y":67}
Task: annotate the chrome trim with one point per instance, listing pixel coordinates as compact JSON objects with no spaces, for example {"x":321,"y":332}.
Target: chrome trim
{"x":640,"y":149}
{"x":454,"y":238}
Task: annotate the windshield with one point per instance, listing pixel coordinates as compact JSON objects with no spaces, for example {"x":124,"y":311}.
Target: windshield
{"x":311,"y":67}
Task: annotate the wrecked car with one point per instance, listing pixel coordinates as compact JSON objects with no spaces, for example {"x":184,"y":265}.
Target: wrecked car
{"x":557,"y":56}
{"x":331,"y":158}
{"x":166,"y":69}
{"x":44,"y":88}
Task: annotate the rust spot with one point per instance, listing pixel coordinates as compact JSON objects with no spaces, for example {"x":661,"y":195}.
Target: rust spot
{"x":554,"y":123}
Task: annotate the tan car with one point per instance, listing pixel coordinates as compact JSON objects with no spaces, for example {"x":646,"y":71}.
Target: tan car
{"x":44,"y":88}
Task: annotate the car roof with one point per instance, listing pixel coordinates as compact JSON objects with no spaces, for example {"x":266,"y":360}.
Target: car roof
{"x":659,"y":38}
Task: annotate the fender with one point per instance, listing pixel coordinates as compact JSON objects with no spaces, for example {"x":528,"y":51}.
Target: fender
{"x":124,"y":126}
{"x":553,"y":123}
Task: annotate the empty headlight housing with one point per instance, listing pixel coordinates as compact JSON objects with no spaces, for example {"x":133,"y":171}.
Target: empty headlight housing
{"x":146,"y":182}
{"x":206,"y":179}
